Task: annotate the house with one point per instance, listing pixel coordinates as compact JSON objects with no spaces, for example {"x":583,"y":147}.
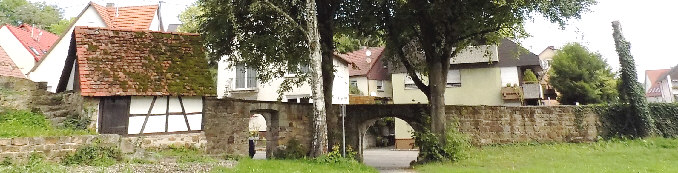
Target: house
{"x":50,"y":68}
{"x":25,"y":44}
{"x":7,"y":66}
{"x":145,"y":81}
{"x":545,"y":59}
{"x":661,"y":86}
{"x":370,"y":75}
{"x":242,"y":83}
{"x":480,"y":75}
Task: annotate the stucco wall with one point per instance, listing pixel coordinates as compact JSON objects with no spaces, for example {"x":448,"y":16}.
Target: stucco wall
{"x":16,"y":51}
{"x":480,"y":86}
{"x":50,"y":69}
{"x":139,"y":106}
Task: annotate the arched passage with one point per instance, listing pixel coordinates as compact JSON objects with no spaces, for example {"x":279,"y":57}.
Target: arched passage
{"x":360,"y":117}
{"x":272,"y":129}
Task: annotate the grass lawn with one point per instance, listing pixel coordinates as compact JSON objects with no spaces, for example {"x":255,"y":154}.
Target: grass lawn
{"x":21,"y":123}
{"x":648,"y":155}
{"x":293,"y":166}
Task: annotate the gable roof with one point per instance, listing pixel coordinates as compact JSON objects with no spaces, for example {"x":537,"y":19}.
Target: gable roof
{"x":7,"y":66}
{"x":654,"y":76}
{"x":361,"y":65}
{"x":130,"y":17}
{"x":119,"y":62}
{"x":36,"y":41}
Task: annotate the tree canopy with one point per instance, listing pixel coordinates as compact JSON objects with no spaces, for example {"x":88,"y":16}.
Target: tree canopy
{"x":17,"y":12}
{"x":190,"y":19}
{"x":582,"y":76}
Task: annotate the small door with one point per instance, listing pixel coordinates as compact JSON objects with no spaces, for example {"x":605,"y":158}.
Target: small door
{"x":114,"y":115}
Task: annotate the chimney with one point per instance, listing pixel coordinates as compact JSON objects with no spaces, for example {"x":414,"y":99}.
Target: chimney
{"x":110,"y":4}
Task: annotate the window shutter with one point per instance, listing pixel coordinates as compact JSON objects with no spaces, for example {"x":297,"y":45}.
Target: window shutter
{"x":240,"y":76}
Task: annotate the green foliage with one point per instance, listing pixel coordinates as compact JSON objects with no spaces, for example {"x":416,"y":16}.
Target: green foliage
{"x":617,"y":120}
{"x":352,"y":89}
{"x":22,"y":123}
{"x":455,"y":148}
{"x":186,"y":154}
{"x":582,"y":76}
{"x":631,"y":90}
{"x":94,"y":155}
{"x":77,"y":122}
{"x":529,"y":76}
{"x":665,"y":117}
{"x":61,"y":26}
{"x":6,"y":162}
{"x":615,"y":155}
{"x":18,"y":12}
{"x":345,"y":43}
{"x":334,"y":156}
{"x":293,"y":150}
{"x":190,"y":19}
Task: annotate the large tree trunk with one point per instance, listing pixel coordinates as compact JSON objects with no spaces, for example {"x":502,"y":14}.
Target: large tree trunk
{"x":326,"y":10}
{"x":437,"y":86}
{"x":319,"y":142}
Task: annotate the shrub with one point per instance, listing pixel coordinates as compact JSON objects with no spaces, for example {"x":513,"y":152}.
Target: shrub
{"x":529,"y":76}
{"x":186,"y":154}
{"x":6,"y":162}
{"x":293,"y":150}
{"x":334,"y":156}
{"x":455,"y":148}
{"x":94,"y":155}
{"x":77,"y":122}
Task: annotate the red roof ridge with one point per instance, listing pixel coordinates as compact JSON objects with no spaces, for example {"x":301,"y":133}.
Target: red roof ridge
{"x":136,"y":30}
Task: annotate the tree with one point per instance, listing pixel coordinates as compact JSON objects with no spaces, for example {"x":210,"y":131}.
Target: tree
{"x":61,"y":26}
{"x":347,"y":43}
{"x":273,"y":37}
{"x":423,"y":36}
{"x":631,"y":92}
{"x":582,"y":76}
{"x":529,"y":76}
{"x":190,"y":19}
{"x":16,"y":12}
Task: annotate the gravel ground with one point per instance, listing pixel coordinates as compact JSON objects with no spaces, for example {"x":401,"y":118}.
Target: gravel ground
{"x":161,"y":167}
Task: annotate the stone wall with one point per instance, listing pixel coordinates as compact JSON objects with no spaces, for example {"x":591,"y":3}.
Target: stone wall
{"x":129,"y":143}
{"x":226,"y":124}
{"x":54,"y":148}
{"x":501,"y":124}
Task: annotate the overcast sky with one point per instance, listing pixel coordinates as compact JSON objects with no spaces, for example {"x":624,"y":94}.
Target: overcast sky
{"x":649,"y":25}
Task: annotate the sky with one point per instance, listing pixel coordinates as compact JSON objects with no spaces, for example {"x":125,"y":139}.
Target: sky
{"x":650,"y":26}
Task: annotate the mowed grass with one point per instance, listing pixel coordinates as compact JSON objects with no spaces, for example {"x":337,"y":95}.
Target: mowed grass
{"x":641,"y":155}
{"x":295,"y":166}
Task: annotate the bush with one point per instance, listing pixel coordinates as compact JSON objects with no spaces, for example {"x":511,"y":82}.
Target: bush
{"x":455,"y":148}
{"x":293,"y":150}
{"x":334,"y":156}
{"x":94,"y":155}
{"x":77,"y":122}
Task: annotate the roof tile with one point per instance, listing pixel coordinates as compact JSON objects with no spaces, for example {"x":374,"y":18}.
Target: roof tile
{"x":33,"y":38}
{"x":7,"y":66}
{"x":131,"y":17}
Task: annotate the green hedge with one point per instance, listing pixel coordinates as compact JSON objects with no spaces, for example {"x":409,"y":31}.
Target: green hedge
{"x":616,"y":122}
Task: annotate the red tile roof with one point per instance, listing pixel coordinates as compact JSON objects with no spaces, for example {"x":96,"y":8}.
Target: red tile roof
{"x":7,"y":66}
{"x":119,"y":62}
{"x":654,"y":76}
{"x":359,"y":58}
{"x":131,"y":17}
{"x":36,"y":41}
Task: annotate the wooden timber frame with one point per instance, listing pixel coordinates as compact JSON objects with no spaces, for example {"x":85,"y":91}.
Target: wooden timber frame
{"x":167,"y":114}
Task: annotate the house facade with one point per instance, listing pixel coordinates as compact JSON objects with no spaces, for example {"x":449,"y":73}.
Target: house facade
{"x":550,"y":94}
{"x":369,"y":76}
{"x":25,"y":44}
{"x":50,"y":68}
{"x":144,"y":81}
{"x":481,"y":75}
{"x":661,"y":86}
{"x":242,"y":83}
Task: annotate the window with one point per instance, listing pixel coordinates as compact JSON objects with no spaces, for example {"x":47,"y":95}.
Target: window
{"x":245,"y":77}
{"x":380,"y":85}
{"x":354,"y":83}
{"x":291,"y":72}
{"x":453,"y":78}
{"x":409,"y":83}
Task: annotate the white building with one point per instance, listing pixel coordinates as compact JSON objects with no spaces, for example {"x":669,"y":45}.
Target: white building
{"x":50,"y":68}
{"x":241,"y":83}
{"x":25,"y":45}
{"x":661,"y":86}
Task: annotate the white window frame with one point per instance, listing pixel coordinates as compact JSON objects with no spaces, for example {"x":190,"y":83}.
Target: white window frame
{"x":409,"y":83}
{"x":249,"y":78}
{"x":453,"y":78}
{"x":354,"y":83}
{"x":380,"y":85}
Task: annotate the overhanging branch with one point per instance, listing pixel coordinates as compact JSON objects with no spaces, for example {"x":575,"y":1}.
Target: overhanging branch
{"x":287,"y":16}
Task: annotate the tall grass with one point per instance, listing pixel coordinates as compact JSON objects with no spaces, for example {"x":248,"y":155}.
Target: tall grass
{"x":285,"y":166}
{"x":21,"y":123}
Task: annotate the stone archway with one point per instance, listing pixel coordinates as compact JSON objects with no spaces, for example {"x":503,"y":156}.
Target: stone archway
{"x":272,"y":129}
{"x":360,"y":117}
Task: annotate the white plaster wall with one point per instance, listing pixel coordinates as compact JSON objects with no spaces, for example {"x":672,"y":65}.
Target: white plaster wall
{"x":403,"y":130}
{"x":476,"y":54}
{"x":363,"y":84}
{"x":386,"y":92}
{"x":156,"y":123}
{"x":509,"y":75}
{"x":53,"y":64}
{"x":16,"y":51}
{"x":257,"y":123}
{"x":155,"y":23}
{"x":269,"y":91}
{"x":71,"y":79}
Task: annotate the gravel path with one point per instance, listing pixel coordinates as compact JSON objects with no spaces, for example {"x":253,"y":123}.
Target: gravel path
{"x":156,"y":167}
{"x":391,"y":161}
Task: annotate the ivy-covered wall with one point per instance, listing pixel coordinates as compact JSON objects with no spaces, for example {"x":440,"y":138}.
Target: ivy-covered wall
{"x":616,"y":121}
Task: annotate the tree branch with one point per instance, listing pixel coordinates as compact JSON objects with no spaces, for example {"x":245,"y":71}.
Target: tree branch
{"x":287,"y":16}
